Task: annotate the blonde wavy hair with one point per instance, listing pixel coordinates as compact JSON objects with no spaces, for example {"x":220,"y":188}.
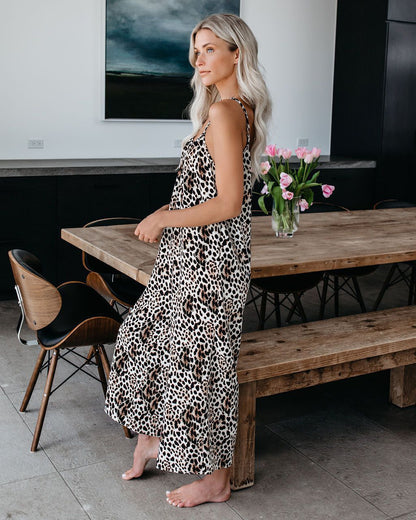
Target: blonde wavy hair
{"x":252,"y":88}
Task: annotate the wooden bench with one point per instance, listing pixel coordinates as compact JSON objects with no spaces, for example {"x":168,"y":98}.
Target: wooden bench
{"x":297,"y":356}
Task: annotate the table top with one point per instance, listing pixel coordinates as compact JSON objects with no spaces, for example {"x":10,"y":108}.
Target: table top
{"x":324,"y":241}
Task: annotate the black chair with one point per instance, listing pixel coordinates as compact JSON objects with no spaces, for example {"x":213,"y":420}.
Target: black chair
{"x":119,"y":289}
{"x":64,"y":318}
{"x":403,"y":272}
{"x":341,"y":280}
{"x":282,"y":291}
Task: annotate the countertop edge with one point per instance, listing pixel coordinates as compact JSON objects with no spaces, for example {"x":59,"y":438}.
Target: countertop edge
{"x":65,"y":167}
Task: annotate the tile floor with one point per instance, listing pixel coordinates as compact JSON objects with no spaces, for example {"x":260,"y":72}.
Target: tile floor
{"x":337,"y":451}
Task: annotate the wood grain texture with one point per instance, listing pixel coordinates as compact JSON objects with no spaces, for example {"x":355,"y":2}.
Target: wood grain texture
{"x":242,"y":471}
{"x":41,"y":300}
{"x":403,"y":386}
{"x":324,"y":241}
{"x":318,"y":376}
{"x":308,"y":346}
{"x":116,"y":246}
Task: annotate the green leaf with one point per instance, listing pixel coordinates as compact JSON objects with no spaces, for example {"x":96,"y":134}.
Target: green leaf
{"x":274,"y":173}
{"x":276,"y":192}
{"x":266,"y":177}
{"x":262,"y":205}
{"x":315,"y":176}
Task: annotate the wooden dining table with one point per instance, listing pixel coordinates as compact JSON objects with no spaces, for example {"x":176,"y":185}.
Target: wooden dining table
{"x":323,"y":242}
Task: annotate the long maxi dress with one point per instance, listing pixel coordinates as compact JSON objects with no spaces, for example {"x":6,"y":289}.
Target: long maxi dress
{"x":174,"y":368}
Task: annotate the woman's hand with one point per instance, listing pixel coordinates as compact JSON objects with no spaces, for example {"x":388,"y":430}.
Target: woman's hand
{"x":150,"y":228}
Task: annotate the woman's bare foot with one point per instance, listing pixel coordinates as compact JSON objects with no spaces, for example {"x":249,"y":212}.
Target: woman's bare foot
{"x":147,"y":448}
{"x":212,"y":488}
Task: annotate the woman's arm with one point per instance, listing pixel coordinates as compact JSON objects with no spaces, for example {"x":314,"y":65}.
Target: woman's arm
{"x":226,"y":141}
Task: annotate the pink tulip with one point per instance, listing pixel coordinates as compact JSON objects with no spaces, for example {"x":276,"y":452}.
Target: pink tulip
{"x":316,"y":152}
{"x":285,"y":180}
{"x":286,"y":153}
{"x":265,"y":189}
{"x":327,"y":190}
{"x":301,"y":152}
{"x":271,"y":150}
{"x":309,"y":158}
{"x":303,"y":205}
{"x":287,"y":195}
{"x":265,"y":167}
{"x":279,"y":152}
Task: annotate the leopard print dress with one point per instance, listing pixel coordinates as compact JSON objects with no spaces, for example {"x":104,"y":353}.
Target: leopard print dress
{"x":174,"y":369}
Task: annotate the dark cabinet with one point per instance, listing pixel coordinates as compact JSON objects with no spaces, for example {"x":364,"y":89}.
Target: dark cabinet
{"x":374,"y":102}
{"x":33,"y":210}
{"x":82,"y":199}
{"x":28,"y":215}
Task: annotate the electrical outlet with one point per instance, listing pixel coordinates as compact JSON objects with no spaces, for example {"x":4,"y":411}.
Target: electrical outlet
{"x":177,"y":143}
{"x":303,"y":141}
{"x":35,"y":143}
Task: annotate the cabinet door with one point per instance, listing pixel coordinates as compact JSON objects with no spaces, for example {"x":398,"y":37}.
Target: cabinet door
{"x":27,"y":221}
{"x":399,"y":125}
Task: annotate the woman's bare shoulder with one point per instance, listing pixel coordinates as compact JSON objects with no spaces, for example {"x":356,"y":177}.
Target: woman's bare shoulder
{"x":226,"y":110}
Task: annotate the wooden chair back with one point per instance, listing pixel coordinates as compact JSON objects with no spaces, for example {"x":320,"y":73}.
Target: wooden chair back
{"x":40,"y":299}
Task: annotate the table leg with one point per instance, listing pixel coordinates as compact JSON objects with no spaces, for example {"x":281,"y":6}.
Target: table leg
{"x":403,"y":386}
{"x":242,"y":471}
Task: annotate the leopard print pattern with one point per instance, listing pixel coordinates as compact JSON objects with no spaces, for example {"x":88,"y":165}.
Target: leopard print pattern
{"x":174,"y":368}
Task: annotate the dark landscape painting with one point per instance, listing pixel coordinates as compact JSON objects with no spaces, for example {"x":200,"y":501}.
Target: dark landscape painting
{"x":147,"y":70}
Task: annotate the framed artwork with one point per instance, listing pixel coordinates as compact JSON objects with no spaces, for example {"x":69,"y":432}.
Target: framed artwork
{"x":147,"y":72}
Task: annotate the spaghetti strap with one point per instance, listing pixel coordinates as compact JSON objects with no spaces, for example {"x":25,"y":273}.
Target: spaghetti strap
{"x":247,"y":120}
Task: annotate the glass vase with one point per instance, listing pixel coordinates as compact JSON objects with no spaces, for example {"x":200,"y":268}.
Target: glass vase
{"x":286,"y":222}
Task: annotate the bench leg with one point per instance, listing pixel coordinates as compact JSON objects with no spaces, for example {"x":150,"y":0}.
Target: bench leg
{"x":242,"y":471}
{"x":403,"y":386}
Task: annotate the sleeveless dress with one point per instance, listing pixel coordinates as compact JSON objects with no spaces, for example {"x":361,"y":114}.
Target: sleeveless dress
{"x":173,"y":373}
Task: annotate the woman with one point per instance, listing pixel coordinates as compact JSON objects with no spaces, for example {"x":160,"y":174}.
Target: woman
{"x":173,"y":377}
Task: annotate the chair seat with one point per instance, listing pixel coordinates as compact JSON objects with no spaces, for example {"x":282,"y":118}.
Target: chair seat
{"x":79,"y":303}
{"x":123,"y":288}
{"x":289,"y":283}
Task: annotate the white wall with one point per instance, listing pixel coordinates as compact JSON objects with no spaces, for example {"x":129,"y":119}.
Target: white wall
{"x":51,"y":88}
{"x":296,"y":47}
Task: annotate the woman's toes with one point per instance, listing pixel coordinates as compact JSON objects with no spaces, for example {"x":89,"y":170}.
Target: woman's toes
{"x":127,"y":475}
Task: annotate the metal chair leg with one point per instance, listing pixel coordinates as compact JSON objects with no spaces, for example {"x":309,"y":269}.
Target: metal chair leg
{"x":336,"y":295}
{"x":384,"y":287}
{"x":323,"y":297}
{"x":300,"y":307}
{"x":100,"y":369}
{"x":33,"y":380}
{"x":45,"y":400}
{"x":358,"y":294}
{"x":262,"y":310}
{"x":277,"y":310}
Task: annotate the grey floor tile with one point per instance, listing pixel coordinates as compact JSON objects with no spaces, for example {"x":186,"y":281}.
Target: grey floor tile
{"x":41,"y":498}
{"x":17,"y":461}
{"x":409,"y":516}
{"x":371,"y":460}
{"x":76,"y":431}
{"x":16,"y":360}
{"x":105,"y":496}
{"x":288,"y":486}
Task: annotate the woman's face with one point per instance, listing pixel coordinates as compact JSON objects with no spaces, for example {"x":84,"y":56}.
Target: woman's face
{"x":214,"y":61}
